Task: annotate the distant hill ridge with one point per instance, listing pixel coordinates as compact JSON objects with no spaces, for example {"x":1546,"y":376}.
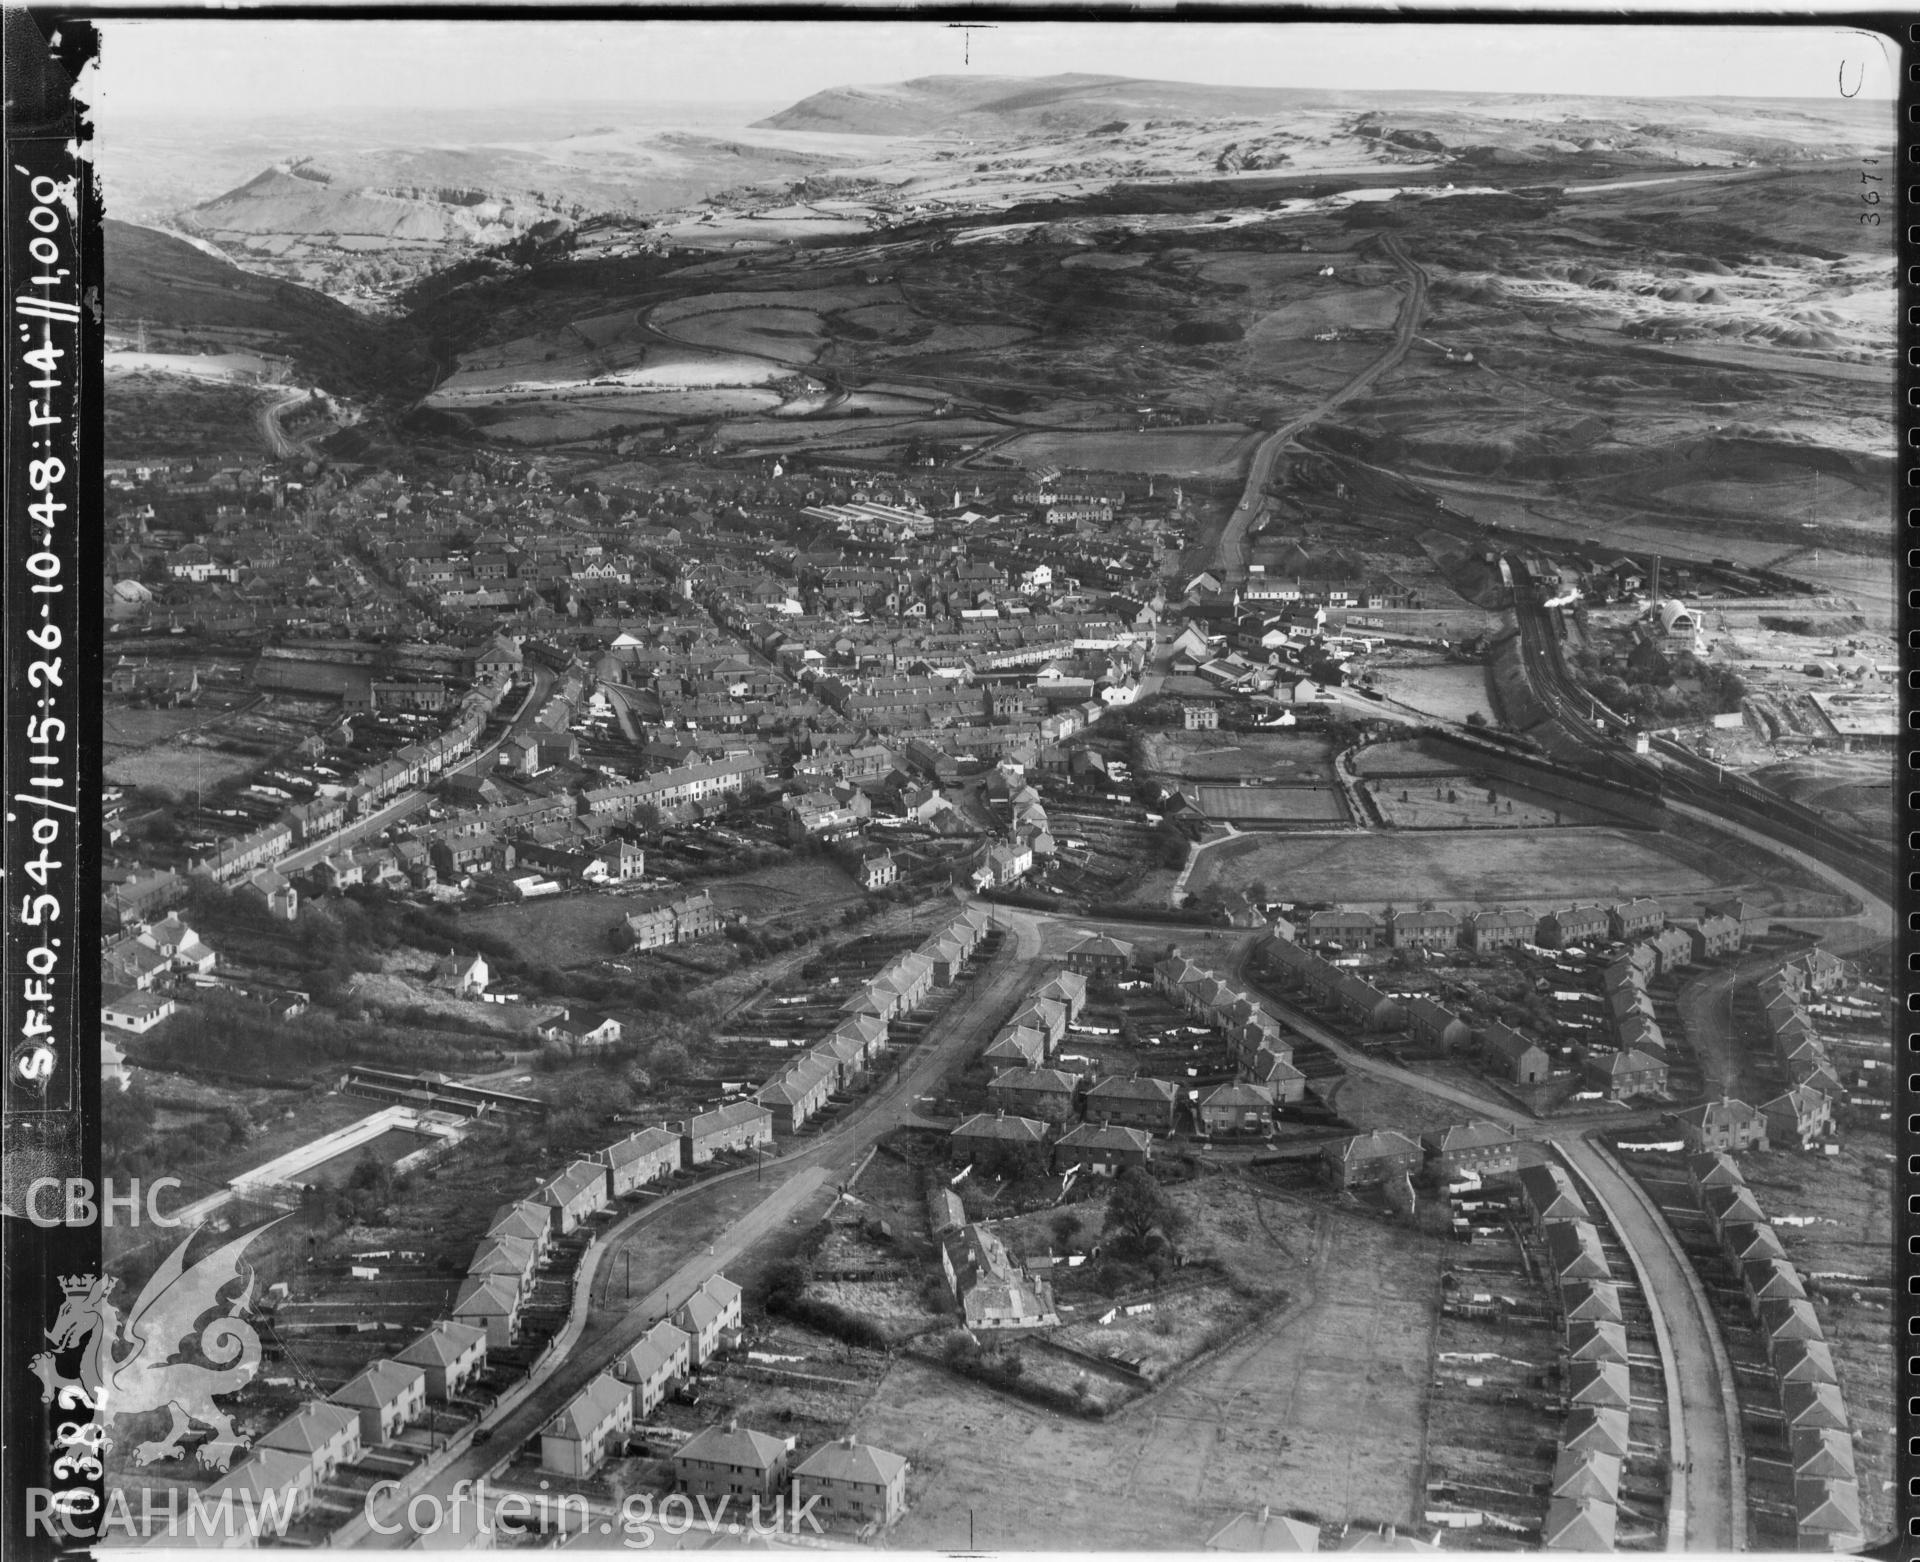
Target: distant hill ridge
{"x":930,"y":105}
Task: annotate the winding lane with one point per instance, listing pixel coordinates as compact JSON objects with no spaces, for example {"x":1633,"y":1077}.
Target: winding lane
{"x":1230,"y":556}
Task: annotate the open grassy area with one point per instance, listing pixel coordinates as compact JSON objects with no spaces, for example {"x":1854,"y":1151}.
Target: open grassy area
{"x":560,"y":931}
{"x":1451,"y":690}
{"x":1282,"y":758}
{"x":1320,"y":1409}
{"x":1365,"y":868}
{"x":1277,"y":804}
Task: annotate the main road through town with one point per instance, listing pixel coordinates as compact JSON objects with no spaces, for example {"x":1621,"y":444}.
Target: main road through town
{"x":1230,"y":556}
{"x":409,"y":803}
{"x":788,"y":1184}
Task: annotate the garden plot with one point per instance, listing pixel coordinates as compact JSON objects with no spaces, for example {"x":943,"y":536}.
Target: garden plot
{"x":1170,"y":1330}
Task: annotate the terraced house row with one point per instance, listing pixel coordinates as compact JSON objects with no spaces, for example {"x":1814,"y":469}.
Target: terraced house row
{"x":1721,"y":928}
{"x":1583,"y":1505}
{"x":1813,"y":1413}
{"x":407,"y":767}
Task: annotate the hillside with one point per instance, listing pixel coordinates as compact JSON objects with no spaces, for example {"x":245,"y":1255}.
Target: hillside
{"x":933,"y":105}
{"x":359,"y":223}
{"x":189,"y":301}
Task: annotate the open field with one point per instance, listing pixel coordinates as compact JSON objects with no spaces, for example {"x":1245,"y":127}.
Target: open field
{"x":1366,"y":868}
{"x":562,"y":930}
{"x":1320,"y":1410}
{"x":1409,"y":757}
{"x":1450,"y":690}
{"x":1175,"y":452}
{"x":1348,"y":309}
{"x":177,"y":768}
{"x":1282,"y":758}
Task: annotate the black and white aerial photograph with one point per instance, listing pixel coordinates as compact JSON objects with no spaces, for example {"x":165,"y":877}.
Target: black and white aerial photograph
{"x":1018,"y":785}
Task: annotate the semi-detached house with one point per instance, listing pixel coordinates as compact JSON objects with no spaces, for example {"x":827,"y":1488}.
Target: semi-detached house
{"x":853,"y":1482}
{"x":731,"y":1461}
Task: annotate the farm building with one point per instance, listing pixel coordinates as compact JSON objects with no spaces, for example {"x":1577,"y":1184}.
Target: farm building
{"x":991,"y":1287}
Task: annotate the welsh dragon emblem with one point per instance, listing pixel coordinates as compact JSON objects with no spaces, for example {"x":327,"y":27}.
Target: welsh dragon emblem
{"x":145,"y":1375}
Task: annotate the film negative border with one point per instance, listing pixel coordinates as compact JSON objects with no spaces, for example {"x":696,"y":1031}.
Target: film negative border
{"x":54,"y":1429}
{"x":1906,"y":1258}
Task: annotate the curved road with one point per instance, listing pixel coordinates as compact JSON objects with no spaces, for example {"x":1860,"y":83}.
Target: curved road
{"x":1230,"y":556}
{"x":789,"y":1182}
{"x":1709,"y":1514}
{"x":267,"y":420}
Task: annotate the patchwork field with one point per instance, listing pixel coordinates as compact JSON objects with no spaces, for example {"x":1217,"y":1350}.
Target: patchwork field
{"x":1175,"y":452}
{"x":1366,"y":869}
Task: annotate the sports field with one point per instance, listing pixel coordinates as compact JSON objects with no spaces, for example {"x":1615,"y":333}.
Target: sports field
{"x":1363,"y":868}
{"x":1272,"y":804}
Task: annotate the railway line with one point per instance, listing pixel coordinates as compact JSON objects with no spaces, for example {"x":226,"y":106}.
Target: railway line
{"x":1583,"y":722}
